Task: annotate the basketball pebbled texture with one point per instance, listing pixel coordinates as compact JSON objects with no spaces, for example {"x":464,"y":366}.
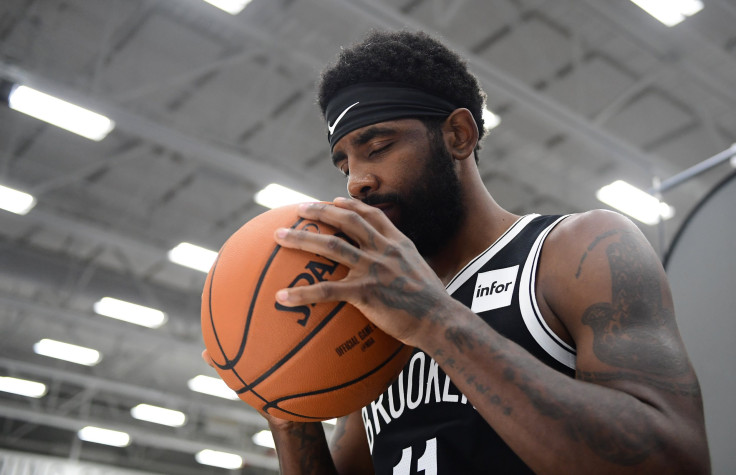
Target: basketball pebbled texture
{"x":305,"y":363}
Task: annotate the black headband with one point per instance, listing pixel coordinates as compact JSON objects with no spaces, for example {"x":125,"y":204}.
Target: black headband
{"x":369,"y":103}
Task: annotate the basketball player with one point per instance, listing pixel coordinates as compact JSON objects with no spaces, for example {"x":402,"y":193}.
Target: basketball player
{"x":544,"y":344}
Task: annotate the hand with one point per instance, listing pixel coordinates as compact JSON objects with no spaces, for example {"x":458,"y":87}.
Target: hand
{"x":388,"y":281}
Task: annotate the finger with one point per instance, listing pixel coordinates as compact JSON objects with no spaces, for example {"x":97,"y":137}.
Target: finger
{"x":208,"y":359}
{"x":326,"y":245}
{"x":316,"y":293}
{"x":350,"y":222}
{"x":373,"y":215}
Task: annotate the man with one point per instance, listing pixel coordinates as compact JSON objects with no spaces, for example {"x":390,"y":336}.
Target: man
{"x":557,"y":334}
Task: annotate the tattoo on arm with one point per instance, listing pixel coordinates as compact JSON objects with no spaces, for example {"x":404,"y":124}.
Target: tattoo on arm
{"x":623,"y":437}
{"x":635,"y":331}
{"x":340,"y":429}
{"x":310,"y":440}
{"x":687,"y":389}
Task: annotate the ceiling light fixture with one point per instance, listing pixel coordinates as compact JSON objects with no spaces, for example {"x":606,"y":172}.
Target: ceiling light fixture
{"x":211,"y":386}
{"x":635,"y":202}
{"x":67,"y":352}
{"x":16,"y":201}
{"x":216,"y":458}
{"x":274,"y":196}
{"x":232,"y":7}
{"x":22,"y":387}
{"x":264,"y":438}
{"x":670,"y":12}
{"x":490,"y":120}
{"x":60,"y":113}
{"x":99,"y":435}
{"x":130,"y":312}
{"x":158,"y":415}
{"x":192,"y":256}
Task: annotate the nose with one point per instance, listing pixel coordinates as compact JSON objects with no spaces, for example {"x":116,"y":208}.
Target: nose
{"x":361,"y":184}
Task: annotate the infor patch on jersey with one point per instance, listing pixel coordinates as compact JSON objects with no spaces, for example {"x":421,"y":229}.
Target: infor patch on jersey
{"x":493,"y":289}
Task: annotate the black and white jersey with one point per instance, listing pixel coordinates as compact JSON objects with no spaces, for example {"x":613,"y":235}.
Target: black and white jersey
{"x":422,"y":423}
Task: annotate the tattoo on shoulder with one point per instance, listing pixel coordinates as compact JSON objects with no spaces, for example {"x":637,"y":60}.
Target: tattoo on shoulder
{"x":634,"y":331}
{"x":591,"y":247}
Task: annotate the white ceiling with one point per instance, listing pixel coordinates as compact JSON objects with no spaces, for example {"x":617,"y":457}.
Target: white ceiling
{"x":211,"y":107}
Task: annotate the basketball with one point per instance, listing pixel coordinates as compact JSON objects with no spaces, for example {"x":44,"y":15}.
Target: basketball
{"x":303,"y":363}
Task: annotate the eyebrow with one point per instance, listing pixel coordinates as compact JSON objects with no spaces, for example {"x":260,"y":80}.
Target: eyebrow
{"x":362,"y":139}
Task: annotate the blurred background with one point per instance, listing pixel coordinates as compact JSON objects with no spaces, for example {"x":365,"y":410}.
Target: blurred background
{"x":198,"y":109}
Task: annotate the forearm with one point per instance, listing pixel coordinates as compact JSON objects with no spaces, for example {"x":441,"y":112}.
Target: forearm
{"x":302,"y":449}
{"x":555,"y":423}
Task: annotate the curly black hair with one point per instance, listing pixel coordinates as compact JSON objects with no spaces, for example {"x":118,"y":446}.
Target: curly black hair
{"x":412,"y":58}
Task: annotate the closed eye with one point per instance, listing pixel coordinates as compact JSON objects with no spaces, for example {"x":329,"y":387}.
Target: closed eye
{"x":380,"y":150}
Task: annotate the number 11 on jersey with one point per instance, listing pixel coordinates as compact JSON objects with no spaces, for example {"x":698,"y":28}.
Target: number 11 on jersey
{"x":426,"y":463}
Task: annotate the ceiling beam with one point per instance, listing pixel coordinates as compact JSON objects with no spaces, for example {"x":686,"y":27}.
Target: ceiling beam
{"x":573,"y":123}
{"x":251,"y":170}
{"x":212,"y":407}
{"x":138,"y":435}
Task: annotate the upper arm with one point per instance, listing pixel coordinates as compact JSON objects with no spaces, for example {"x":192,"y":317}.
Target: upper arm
{"x":605,"y":283}
{"x":349,"y":446}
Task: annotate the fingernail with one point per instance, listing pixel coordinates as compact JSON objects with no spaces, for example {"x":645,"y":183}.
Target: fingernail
{"x":340,"y":199}
{"x":282,"y":232}
{"x":282,"y":295}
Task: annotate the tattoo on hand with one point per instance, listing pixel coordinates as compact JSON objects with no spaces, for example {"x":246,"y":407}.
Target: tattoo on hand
{"x":409,"y":294}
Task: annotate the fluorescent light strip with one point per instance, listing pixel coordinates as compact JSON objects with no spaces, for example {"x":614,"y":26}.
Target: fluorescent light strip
{"x":67,"y":352}
{"x":211,"y":386}
{"x":192,"y":256}
{"x":216,"y":458}
{"x":490,"y":120}
{"x":99,"y":435}
{"x":16,"y":201}
{"x":275,"y":195}
{"x":635,"y":202}
{"x":264,"y":438}
{"x":158,"y":415}
{"x":670,"y":12}
{"x":60,"y":113}
{"x":22,"y":387}
{"x":130,"y":312}
{"x":232,"y":7}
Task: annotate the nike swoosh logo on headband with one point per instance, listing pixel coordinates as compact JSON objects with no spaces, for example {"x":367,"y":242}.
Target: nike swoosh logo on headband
{"x":331,"y":128}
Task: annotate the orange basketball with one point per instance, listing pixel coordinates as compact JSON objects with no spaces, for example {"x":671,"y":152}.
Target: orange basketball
{"x":304,"y":363}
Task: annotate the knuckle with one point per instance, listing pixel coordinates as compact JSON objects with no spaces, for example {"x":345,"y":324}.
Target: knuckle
{"x":355,"y":218}
{"x":326,"y":291}
{"x":334,"y":243}
{"x":392,"y":251}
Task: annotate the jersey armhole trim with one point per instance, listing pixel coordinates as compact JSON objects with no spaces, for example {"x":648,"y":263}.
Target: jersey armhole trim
{"x":533,"y":319}
{"x":474,"y":265}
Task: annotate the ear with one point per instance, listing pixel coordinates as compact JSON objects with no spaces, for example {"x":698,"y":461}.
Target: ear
{"x":460,"y":133}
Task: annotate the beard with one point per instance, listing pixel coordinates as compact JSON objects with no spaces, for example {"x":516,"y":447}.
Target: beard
{"x":432,"y":211}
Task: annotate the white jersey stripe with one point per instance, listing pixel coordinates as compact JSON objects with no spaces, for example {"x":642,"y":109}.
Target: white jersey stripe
{"x":472,"y":267}
{"x":533,"y":318}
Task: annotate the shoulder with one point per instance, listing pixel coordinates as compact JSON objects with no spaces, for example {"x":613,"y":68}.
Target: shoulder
{"x":599,"y":223}
{"x":586,"y":255}
{"x":580,"y":235}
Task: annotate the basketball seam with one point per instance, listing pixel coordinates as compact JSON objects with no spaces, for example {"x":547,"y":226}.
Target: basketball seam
{"x":274,"y":403}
